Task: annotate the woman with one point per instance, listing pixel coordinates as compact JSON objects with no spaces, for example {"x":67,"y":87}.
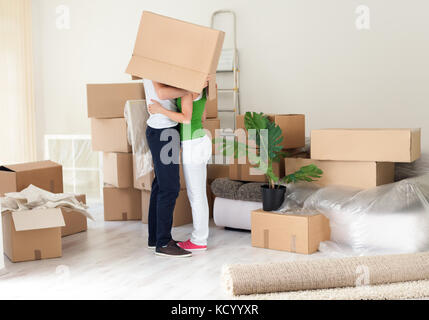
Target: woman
{"x":196,"y":153}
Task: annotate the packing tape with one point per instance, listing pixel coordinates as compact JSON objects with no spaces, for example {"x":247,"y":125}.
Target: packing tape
{"x":37,"y":255}
{"x":266,"y":239}
{"x":52,"y":185}
{"x":124,"y":216}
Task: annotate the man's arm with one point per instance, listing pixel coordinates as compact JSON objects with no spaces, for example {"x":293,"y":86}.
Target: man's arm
{"x":165,"y":92}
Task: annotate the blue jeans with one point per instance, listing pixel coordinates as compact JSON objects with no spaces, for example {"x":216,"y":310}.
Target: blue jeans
{"x":165,"y":188}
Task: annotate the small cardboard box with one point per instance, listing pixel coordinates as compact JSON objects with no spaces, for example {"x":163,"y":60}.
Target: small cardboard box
{"x":358,"y":174}
{"x":298,"y":233}
{"x":108,"y":100}
{"x":382,"y":145}
{"x":75,"y":222}
{"x":212,"y":108}
{"x":212,"y":125}
{"x":110,"y":135}
{"x":122,"y":204}
{"x":33,"y":234}
{"x":46,"y":175}
{"x":145,"y":183}
{"x":292,"y":125}
{"x":182,"y":214}
{"x":250,"y":173}
{"x":185,"y":57}
{"x":118,"y":169}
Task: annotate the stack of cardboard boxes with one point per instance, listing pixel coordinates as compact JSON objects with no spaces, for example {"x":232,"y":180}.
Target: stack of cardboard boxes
{"x":106,"y":103}
{"x":36,"y":234}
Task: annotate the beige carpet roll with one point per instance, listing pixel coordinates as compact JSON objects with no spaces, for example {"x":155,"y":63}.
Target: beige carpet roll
{"x":325,"y":273}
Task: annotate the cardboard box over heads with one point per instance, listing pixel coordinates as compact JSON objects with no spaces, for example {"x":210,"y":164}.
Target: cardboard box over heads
{"x":110,"y":135}
{"x":75,"y":221}
{"x":383,"y":145}
{"x":122,"y":204}
{"x":357,"y":174}
{"x":118,"y":169}
{"x":298,"y":233}
{"x":292,"y":125}
{"x":33,"y":234}
{"x":46,"y":175}
{"x":176,"y":53}
{"x":182,"y":214}
{"x":108,"y":100}
{"x":145,"y":182}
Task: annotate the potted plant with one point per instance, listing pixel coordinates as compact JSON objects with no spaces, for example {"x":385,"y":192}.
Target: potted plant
{"x":267,"y":138}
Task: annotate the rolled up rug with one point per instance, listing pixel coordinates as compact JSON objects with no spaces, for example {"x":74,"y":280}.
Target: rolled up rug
{"x":325,"y":273}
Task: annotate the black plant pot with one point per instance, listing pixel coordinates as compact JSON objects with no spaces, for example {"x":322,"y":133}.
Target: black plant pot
{"x":273,"y":199}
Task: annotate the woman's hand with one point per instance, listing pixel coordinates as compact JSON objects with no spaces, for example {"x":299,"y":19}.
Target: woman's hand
{"x":155,"y":107}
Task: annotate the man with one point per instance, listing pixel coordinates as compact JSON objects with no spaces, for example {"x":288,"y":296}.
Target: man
{"x":166,"y":185}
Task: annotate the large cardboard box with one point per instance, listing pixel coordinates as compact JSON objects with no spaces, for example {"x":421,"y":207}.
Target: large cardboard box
{"x":250,"y":173}
{"x":33,"y":234}
{"x":145,"y":182}
{"x":46,"y":175}
{"x":185,"y":57}
{"x":118,"y":169}
{"x":75,"y":222}
{"x":292,"y":125}
{"x":215,"y":171}
{"x":212,"y":125}
{"x":383,"y":145}
{"x":212,"y":110}
{"x":358,"y":174}
{"x":182,"y":214}
{"x":110,"y":135}
{"x":122,"y":204}
{"x":298,"y":233}
{"x":108,"y":100}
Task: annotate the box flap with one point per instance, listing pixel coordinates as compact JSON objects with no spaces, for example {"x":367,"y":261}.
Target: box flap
{"x":38,"y":219}
{"x":29,"y":166}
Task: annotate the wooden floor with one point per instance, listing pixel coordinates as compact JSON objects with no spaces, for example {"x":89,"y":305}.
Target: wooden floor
{"x":111,"y":261}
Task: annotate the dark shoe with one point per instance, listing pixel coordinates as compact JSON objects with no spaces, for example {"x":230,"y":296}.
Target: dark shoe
{"x":173,"y":250}
{"x":151,"y":246}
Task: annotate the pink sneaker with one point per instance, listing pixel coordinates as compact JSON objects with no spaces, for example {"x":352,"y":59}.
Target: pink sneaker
{"x":189,"y":246}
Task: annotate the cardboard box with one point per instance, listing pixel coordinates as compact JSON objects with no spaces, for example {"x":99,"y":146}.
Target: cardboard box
{"x":75,"y":222}
{"x":212,"y":125}
{"x":108,"y":100}
{"x":33,"y":234}
{"x":110,"y":135}
{"x":46,"y":175}
{"x":122,"y":204}
{"x":215,"y":171}
{"x":212,"y":108}
{"x":383,"y":145}
{"x":292,"y":125}
{"x":182,"y":214}
{"x":248,"y":172}
{"x":298,"y":233}
{"x":358,"y":174}
{"x":185,"y":57}
{"x":118,"y":169}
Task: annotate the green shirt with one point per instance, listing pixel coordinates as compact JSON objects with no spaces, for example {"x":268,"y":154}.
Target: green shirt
{"x":193,"y":130}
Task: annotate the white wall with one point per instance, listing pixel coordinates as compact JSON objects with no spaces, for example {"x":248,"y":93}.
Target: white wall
{"x":297,"y":56}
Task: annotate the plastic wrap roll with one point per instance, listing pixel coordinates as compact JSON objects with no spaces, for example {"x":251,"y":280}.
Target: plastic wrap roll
{"x":234,"y":214}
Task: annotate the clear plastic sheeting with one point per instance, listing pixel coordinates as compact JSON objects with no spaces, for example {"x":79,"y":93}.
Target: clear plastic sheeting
{"x":413,"y":169}
{"x":136,"y":115}
{"x":393,"y":218}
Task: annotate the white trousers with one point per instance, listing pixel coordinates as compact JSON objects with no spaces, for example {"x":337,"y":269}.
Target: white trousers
{"x":195,"y":155}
